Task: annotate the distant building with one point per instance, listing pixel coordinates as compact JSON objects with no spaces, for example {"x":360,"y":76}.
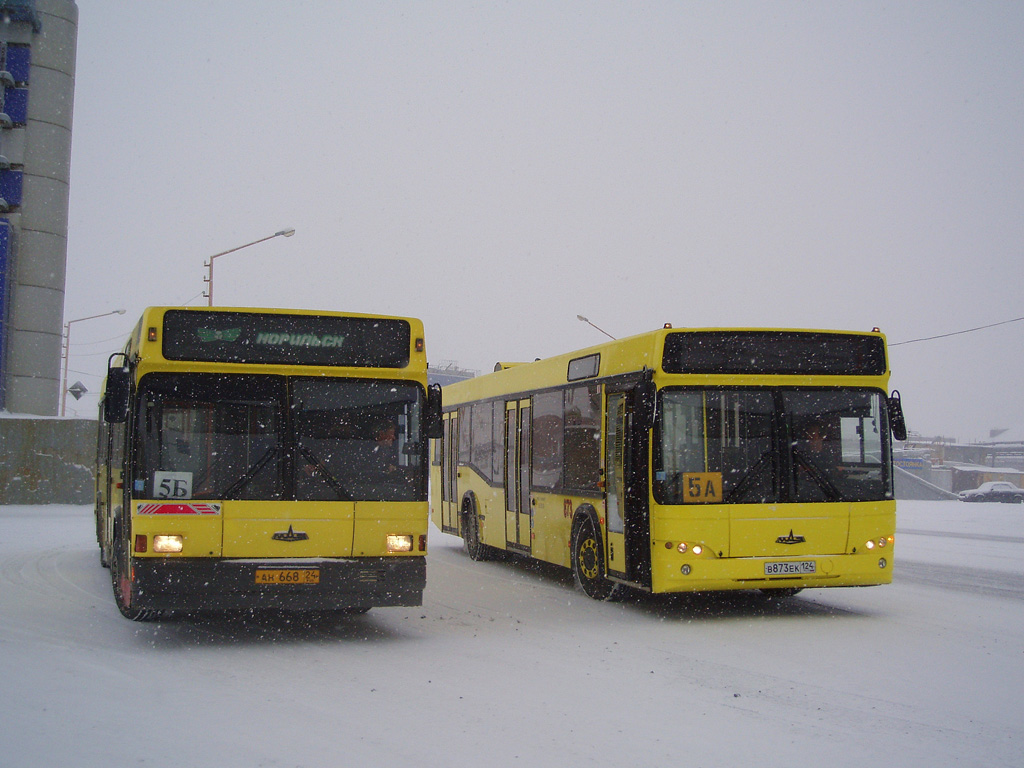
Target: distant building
{"x":447,"y":372}
{"x":38,"y":40}
{"x":945,"y":464}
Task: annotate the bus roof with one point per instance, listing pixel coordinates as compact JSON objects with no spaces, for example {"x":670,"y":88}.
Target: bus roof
{"x":634,"y":354}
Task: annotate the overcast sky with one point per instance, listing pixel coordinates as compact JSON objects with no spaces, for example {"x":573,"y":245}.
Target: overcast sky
{"x":498,"y":168}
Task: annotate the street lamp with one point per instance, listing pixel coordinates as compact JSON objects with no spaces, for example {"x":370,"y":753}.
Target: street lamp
{"x":67,"y":350}
{"x":209,"y":279}
{"x":582,"y":319}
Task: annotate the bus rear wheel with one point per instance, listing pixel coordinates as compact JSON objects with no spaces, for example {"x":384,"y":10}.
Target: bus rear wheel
{"x":588,"y":562}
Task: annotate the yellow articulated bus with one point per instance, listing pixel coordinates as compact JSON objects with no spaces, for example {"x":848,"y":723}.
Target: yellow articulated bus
{"x":681,"y":460}
{"x":265,"y":458}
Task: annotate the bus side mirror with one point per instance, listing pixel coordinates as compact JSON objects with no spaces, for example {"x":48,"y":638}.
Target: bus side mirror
{"x":117,"y":393}
{"x":432,"y":417}
{"x":646,"y":402}
{"x":896,"y":420}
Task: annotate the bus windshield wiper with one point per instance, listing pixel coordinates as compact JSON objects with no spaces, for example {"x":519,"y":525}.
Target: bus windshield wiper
{"x":737,"y":492}
{"x":818,"y":476}
{"x":322,"y":470}
{"x":244,"y":480}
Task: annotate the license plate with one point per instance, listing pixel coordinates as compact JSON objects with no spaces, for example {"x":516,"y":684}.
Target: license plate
{"x":288,"y":576}
{"x":791,"y":568}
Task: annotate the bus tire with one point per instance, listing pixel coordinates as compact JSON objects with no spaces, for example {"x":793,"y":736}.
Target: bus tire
{"x":119,"y":578}
{"x":101,"y":535}
{"x":588,"y":561}
{"x":104,"y":554}
{"x":475,"y":548}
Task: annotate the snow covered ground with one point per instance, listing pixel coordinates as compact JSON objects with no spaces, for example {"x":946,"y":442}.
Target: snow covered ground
{"x":506,"y":665}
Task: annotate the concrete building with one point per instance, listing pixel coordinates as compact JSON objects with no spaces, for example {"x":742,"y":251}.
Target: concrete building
{"x":38,"y":40}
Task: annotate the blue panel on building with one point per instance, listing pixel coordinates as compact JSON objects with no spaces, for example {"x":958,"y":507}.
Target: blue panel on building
{"x":10,"y":187}
{"x":19,"y":60}
{"x":16,"y":105}
{"x":5,"y":246}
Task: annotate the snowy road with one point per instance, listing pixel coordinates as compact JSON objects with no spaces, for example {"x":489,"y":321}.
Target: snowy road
{"x":506,"y":664}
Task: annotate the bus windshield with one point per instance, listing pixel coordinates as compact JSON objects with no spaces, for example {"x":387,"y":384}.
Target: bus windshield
{"x":774,"y":445}
{"x":204,"y":436}
{"x":358,"y":440}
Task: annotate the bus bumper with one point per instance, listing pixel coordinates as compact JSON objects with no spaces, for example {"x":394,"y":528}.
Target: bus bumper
{"x":199,"y":584}
{"x":713,"y":574}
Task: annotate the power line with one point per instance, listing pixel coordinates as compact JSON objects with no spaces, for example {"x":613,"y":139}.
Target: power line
{"x":120,"y":337}
{"x":90,"y":374}
{"x":957,"y":333}
{"x":189,"y":301}
{"x":102,"y":353}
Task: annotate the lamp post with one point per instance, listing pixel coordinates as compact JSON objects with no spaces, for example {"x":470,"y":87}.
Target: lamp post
{"x":582,"y":319}
{"x":209,"y":264}
{"x":67,"y":351}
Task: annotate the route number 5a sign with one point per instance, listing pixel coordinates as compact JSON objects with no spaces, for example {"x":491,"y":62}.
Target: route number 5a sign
{"x":702,"y":487}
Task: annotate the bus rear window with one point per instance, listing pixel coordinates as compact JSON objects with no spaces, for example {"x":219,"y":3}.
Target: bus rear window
{"x":251,"y":337}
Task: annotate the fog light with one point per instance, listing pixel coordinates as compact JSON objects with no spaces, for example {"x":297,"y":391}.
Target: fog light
{"x":399,"y":542}
{"x":168,"y":545}
{"x":685,"y":570}
{"x":882,"y":562}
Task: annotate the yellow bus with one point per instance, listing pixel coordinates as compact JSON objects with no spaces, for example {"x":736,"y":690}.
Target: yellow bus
{"x":265,"y":458}
{"x":680,"y":460}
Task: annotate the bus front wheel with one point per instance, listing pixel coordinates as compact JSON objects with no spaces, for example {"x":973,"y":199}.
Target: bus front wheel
{"x":588,"y":562}
{"x":120,"y":577}
{"x":475,"y":548}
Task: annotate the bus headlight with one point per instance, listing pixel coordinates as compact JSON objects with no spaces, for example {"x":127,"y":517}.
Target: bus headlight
{"x":399,"y":542}
{"x":168,"y":544}
{"x":684,"y":547}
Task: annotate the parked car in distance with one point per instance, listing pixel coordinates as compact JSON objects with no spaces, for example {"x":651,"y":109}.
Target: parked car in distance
{"x":997,"y":490}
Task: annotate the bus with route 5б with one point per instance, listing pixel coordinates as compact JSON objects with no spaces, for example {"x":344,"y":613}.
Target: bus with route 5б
{"x":265,"y":458}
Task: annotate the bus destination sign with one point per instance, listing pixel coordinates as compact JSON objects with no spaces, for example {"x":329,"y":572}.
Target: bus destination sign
{"x":774,"y":353}
{"x":253,"y":337}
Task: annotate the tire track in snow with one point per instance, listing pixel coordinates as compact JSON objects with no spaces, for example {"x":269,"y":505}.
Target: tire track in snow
{"x":961,"y":579}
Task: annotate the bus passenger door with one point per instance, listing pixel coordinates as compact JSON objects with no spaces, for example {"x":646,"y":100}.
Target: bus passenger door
{"x":449,"y":472}
{"x":511,"y":479}
{"x":518,"y":510}
{"x":616,"y":463}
